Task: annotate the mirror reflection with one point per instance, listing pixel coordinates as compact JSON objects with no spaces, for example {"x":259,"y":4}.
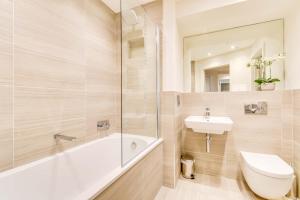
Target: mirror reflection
{"x":245,"y":58}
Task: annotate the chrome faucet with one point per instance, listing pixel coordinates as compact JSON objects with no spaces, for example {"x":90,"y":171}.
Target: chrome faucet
{"x":64,"y":137}
{"x":207,"y":113}
{"x":103,"y":125}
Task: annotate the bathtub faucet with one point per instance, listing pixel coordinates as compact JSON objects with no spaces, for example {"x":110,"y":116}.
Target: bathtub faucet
{"x":64,"y":137}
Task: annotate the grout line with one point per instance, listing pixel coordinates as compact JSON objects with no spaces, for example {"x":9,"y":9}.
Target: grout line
{"x":293,"y":119}
{"x":121,"y":83}
{"x":13,"y":83}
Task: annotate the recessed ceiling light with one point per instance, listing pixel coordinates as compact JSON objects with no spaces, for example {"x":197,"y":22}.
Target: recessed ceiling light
{"x":232,"y":47}
{"x":209,"y":54}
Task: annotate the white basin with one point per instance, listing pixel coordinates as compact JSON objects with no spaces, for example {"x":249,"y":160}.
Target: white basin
{"x":210,"y":125}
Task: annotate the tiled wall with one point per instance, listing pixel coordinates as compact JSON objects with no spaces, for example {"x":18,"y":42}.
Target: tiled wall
{"x":276,"y":133}
{"x":171,"y":128}
{"x":270,"y":133}
{"x":297,"y":135}
{"x":139,"y":59}
{"x":65,"y":75}
{"x":154,"y":11}
{"x":6,"y":129}
{"x":139,"y":79}
{"x":141,"y":182}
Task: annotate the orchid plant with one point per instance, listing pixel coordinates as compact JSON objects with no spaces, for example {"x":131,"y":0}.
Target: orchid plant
{"x":261,"y":64}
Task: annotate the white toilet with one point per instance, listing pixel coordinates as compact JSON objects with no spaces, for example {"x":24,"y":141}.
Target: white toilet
{"x":267,"y":175}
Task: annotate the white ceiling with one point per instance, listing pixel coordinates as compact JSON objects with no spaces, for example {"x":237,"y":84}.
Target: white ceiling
{"x":221,"y":42}
{"x":234,"y":13}
{"x":201,"y":52}
{"x":114,"y":5}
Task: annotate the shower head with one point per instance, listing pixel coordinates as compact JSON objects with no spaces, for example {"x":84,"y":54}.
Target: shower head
{"x":130,"y":17}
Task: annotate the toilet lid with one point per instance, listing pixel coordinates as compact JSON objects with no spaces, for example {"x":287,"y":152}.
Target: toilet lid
{"x":268,"y":164}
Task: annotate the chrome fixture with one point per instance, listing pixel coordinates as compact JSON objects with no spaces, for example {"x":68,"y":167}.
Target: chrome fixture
{"x":260,"y":108}
{"x":64,"y":137}
{"x":207,"y":113}
{"x":103,"y":125}
{"x":208,"y":136}
{"x":208,"y":141}
{"x":130,"y":17}
{"x":133,"y":145}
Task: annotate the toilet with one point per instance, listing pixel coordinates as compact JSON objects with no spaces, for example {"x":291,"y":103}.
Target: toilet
{"x":267,"y":175}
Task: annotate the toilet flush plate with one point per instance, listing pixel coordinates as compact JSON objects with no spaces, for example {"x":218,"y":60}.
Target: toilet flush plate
{"x":211,"y":124}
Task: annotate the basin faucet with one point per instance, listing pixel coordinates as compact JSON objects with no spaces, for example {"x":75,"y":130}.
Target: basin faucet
{"x":207,"y":113}
{"x":64,"y":137}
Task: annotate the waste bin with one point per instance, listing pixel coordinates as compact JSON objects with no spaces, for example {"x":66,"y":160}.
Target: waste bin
{"x":187,"y":166}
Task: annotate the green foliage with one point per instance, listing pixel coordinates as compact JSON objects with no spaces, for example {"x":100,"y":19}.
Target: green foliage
{"x":261,"y":81}
{"x":261,"y":64}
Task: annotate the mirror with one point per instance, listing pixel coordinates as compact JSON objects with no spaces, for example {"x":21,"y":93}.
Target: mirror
{"x":236,"y":59}
{"x":250,"y":45}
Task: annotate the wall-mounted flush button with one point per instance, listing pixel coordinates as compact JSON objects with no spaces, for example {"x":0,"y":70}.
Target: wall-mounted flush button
{"x":103,"y":125}
{"x":260,"y":108}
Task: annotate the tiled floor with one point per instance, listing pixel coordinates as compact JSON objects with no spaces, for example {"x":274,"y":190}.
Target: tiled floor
{"x":205,"y":187}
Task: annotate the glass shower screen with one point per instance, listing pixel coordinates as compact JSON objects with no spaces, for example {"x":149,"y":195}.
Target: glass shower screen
{"x":140,"y":44}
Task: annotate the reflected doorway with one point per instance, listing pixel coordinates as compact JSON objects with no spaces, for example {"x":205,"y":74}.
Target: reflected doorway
{"x":217,"y":79}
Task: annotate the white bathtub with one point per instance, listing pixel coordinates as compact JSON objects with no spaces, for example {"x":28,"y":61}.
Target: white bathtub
{"x":80,"y":173}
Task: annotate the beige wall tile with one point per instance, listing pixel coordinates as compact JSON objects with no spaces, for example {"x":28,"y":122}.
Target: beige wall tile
{"x":154,"y":11}
{"x":139,"y":106}
{"x":297,"y":163}
{"x":66,"y":74}
{"x":6,"y":131}
{"x":34,"y":70}
{"x":141,"y":182}
{"x":270,"y":133}
{"x":297,"y":116}
{"x":171,"y":131}
{"x":6,"y":42}
{"x":6,"y":90}
{"x":296,"y":134}
{"x":51,"y":28}
{"x":41,"y":113}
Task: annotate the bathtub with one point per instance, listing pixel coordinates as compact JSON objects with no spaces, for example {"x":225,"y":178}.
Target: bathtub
{"x":80,"y":173}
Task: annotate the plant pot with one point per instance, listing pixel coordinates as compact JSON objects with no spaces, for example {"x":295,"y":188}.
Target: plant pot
{"x":267,"y":86}
{"x":257,"y":88}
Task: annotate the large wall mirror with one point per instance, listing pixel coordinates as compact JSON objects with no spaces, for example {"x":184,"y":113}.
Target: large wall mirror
{"x":252,"y":56}
{"x":236,"y":59}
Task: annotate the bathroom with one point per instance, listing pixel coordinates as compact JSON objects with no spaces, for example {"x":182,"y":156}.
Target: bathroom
{"x":149,"y":99}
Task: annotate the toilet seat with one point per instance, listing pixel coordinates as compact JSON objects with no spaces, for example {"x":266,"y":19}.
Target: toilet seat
{"x":268,"y":165}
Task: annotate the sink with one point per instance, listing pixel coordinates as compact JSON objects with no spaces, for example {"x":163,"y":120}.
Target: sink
{"x":209,"y":125}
